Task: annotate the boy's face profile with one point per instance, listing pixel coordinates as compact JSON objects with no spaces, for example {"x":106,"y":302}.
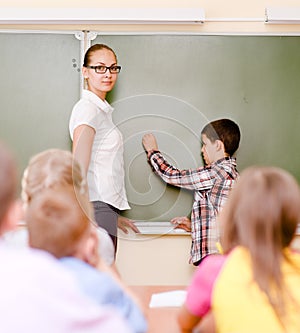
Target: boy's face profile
{"x":209,"y":150}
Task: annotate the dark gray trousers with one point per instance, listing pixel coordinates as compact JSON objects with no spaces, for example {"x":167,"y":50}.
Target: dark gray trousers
{"x":106,"y":216}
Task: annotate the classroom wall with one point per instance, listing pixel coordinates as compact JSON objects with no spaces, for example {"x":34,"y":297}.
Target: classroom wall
{"x":160,"y":260}
{"x":230,"y":16}
{"x":154,"y":259}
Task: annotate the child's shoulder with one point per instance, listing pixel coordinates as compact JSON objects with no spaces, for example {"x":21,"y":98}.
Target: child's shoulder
{"x":226,"y":168}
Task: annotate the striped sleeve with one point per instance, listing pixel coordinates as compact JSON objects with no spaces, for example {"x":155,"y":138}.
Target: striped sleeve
{"x":191,"y":179}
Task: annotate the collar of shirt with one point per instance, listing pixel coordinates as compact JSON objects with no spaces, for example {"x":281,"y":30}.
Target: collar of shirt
{"x":232,"y":160}
{"x":227,"y":158}
{"x":103,"y":105}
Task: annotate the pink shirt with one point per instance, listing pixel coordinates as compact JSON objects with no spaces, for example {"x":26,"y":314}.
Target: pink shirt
{"x":39,"y":295}
{"x":199,"y":294}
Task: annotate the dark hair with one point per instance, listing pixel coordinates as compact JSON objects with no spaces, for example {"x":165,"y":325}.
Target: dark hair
{"x":225,"y":130}
{"x":8,"y":180}
{"x":93,"y":49}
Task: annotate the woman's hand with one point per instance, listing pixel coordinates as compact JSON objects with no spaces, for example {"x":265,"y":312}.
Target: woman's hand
{"x":124,"y":223}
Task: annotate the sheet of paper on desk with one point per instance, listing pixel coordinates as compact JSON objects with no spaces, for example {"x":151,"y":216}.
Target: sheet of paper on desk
{"x":168,"y":298}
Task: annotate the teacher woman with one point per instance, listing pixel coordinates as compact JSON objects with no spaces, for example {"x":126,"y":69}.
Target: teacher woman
{"x":97,"y":142}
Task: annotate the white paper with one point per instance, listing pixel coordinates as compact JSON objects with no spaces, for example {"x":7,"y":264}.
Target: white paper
{"x":169,"y":298}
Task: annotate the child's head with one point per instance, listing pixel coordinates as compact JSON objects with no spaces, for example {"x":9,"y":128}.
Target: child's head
{"x":58,"y":221}
{"x":262,"y":214}
{"x":8,"y":181}
{"x":223,"y":131}
{"x":50,"y":168}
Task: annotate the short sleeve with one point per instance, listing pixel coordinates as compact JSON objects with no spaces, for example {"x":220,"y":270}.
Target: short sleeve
{"x":84,"y":113}
{"x":199,"y":293}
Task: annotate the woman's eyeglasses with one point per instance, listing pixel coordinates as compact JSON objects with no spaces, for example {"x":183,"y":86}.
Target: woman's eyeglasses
{"x":100,"y":69}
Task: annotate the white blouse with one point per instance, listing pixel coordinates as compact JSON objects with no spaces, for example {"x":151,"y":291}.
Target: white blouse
{"x":106,"y":175}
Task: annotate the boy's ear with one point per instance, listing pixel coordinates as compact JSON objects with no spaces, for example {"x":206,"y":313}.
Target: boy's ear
{"x":220,"y":145}
{"x":13,"y":215}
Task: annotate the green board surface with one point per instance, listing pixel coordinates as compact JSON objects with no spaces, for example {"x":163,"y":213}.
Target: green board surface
{"x":39,"y":84}
{"x":171,"y":85}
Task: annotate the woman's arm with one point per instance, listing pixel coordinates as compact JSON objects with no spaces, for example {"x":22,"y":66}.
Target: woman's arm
{"x":83,"y":138}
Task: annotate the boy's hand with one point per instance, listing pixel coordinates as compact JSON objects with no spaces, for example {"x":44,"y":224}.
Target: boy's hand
{"x":149,"y":142}
{"x":182,"y":222}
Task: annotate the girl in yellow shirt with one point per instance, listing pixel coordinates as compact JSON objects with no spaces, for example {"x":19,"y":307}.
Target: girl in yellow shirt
{"x":255,"y":286}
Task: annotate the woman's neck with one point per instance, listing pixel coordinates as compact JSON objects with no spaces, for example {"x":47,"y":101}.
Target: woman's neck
{"x":100,"y":94}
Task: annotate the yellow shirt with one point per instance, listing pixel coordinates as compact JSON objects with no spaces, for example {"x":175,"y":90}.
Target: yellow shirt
{"x":241,"y":307}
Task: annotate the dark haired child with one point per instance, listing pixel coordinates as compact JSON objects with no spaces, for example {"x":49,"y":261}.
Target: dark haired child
{"x":211,"y":184}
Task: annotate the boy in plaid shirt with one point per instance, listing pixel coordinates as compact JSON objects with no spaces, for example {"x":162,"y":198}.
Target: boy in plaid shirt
{"x":211,"y":184}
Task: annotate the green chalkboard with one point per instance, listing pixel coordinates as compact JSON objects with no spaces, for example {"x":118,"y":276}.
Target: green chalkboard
{"x":39,"y":84}
{"x":171,"y":85}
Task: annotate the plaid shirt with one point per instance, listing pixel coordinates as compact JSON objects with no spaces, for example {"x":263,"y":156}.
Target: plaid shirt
{"x":211,"y":186}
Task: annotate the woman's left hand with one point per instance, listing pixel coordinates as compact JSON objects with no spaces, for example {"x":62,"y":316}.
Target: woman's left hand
{"x":124,"y":223}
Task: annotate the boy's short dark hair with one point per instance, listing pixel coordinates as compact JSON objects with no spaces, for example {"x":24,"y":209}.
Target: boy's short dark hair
{"x":225,"y":130}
